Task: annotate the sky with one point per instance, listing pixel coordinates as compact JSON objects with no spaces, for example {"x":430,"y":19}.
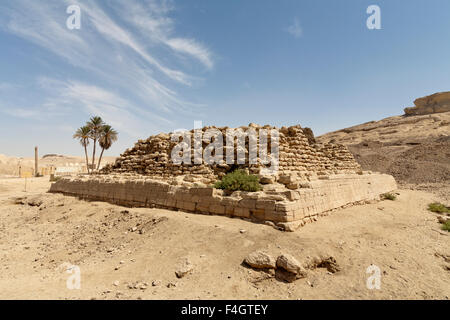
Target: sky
{"x":155,"y":66}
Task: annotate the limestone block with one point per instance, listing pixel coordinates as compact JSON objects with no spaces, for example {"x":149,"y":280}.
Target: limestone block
{"x":242,"y":212}
{"x":217,"y":209}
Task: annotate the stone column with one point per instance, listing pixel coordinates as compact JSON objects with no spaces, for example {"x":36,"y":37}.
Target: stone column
{"x":36,"y":162}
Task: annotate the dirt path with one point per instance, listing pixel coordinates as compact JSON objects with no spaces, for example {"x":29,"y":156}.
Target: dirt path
{"x":118,"y":249}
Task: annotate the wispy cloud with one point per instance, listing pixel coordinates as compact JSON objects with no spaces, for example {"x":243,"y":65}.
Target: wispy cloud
{"x":154,"y":24}
{"x":116,"y":110}
{"x":4,"y":86}
{"x":295,"y":29}
{"x":130,"y":52}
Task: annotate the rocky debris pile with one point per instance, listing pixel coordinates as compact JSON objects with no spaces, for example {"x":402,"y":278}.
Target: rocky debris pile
{"x":298,"y":153}
{"x":286,"y":267}
{"x":33,"y":201}
{"x":435,"y":103}
{"x":326,"y":262}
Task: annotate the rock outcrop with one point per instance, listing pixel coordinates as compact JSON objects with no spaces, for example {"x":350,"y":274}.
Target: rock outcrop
{"x":435,"y":103}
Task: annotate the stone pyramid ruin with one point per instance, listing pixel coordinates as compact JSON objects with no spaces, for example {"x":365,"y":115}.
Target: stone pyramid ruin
{"x":298,"y":154}
{"x":310,"y":179}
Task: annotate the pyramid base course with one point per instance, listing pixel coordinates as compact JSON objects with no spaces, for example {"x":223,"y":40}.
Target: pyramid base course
{"x":276,"y":205}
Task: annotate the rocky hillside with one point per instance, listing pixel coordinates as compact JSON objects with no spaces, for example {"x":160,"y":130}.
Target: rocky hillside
{"x":414,"y":147}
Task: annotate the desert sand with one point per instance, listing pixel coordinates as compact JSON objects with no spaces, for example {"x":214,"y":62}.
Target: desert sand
{"x":9,"y":165}
{"x":41,"y":231}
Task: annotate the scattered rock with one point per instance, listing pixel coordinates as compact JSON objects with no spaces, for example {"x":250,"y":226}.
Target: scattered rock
{"x":290,"y":264}
{"x":156,"y":283}
{"x":327,"y":262}
{"x":138,"y":286}
{"x":290,"y":226}
{"x":270,"y":223}
{"x":34,"y":201}
{"x":20,"y":200}
{"x":442,"y":220}
{"x":330,"y":264}
{"x":184,"y":268}
{"x":116,"y":283}
{"x":260,"y":260}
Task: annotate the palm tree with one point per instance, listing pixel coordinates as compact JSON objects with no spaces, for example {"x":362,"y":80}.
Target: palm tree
{"x":83,"y":134}
{"x":107,"y":137}
{"x":95,"y":126}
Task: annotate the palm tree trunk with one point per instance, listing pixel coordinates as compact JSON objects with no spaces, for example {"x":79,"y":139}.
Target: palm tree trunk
{"x":87,"y":159}
{"x":93,"y":154}
{"x":100,"y":159}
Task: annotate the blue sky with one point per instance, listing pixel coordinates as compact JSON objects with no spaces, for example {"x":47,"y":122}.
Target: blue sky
{"x":156,"y":66}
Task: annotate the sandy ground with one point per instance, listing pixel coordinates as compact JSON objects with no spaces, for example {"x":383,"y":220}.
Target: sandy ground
{"x":400,"y":237}
{"x":9,"y":166}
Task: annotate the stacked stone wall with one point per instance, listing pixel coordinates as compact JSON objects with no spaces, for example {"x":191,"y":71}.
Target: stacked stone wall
{"x":285,"y":208}
{"x":297,"y":154}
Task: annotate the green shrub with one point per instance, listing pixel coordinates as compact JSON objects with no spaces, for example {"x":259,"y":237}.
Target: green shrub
{"x":438,"y":208}
{"x":446,"y":226}
{"x":389,"y":196}
{"x":239,"y":180}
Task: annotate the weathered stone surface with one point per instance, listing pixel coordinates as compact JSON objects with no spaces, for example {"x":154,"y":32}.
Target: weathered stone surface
{"x":298,"y":152}
{"x":260,"y":260}
{"x":34,"y":201}
{"x":184,"y":267}
{"x":290,"y":264}
{"x":330,"y":264}
{"x":267,"y":179}
{"x":286,"y":276}
{"x":288,"y":209}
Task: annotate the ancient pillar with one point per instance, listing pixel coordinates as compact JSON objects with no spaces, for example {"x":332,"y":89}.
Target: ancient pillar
{"x":36,"y":164}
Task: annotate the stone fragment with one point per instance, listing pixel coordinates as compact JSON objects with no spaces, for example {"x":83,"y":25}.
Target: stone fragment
{"x":267,"y":179}
{"x":185,"y":267}
{"x":35,"y":201}
{"x":285,"y":276}
{"x":290,"y":264}
{"x":260,"y":260}
{"x":330,"y":264}
{"x":156,"y":283}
